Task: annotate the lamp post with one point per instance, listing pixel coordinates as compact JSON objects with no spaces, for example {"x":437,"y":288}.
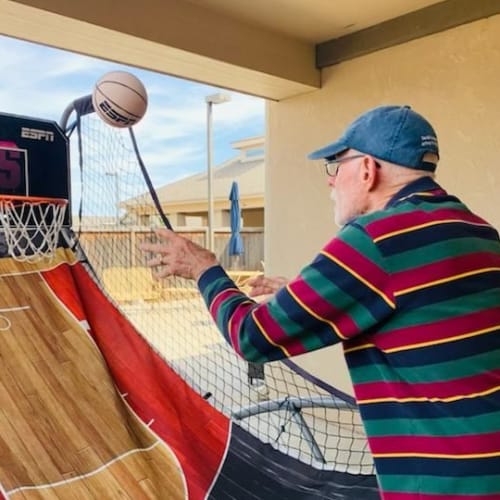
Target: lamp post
{"x":211,"y":100}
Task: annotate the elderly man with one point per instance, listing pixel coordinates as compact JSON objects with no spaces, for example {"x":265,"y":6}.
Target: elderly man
{"x":411,"y":286}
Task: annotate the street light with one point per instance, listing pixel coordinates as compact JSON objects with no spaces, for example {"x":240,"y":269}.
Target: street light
{"x":210,"y":100}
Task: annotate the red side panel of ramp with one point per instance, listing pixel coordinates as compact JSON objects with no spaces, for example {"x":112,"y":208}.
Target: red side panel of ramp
{"x":196,"y":432}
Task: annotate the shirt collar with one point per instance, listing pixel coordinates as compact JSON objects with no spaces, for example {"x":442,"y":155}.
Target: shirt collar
{"x":423,"y":184}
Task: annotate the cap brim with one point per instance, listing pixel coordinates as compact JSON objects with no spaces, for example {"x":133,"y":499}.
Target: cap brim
{"x":331,"y":150}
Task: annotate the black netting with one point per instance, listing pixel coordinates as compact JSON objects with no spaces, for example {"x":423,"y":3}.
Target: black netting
{"x":276,"y":403}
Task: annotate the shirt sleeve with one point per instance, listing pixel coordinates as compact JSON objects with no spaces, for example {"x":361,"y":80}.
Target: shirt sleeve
{"x":343,"y":292}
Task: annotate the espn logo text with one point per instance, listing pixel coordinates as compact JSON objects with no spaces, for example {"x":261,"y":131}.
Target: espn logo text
{"x":113,"y":115}
{"x":37,"y":134}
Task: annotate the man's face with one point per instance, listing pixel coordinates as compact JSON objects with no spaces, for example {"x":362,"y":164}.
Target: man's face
{"x":347,"y":191}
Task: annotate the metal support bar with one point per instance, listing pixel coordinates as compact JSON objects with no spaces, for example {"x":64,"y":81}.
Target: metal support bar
{"x":295,"y":406}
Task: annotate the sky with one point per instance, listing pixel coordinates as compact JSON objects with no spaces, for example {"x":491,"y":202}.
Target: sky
{"x":40,"y":82}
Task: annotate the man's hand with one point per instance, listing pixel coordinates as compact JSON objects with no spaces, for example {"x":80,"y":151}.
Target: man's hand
{"x":178,"y":256}
{"x":264,"y":285}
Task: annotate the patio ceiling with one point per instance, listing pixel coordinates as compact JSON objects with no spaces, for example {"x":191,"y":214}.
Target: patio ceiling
{"x":270,"y":48}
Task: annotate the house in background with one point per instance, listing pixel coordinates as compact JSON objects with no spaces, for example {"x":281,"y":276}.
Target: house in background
{"x":185,"y":202}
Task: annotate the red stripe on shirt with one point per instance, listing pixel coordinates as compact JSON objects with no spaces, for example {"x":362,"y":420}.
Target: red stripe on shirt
{"x":276,"y":333}
{"x":437,"y":331}
{"x":236,"y":321}
{"x":322,"y":308}
{"x":480,"y":444}
{"x":458,"y":388}
{"x":358,"y":263}
{"x":219,"y":300}
{"x":445,"y":269}
{"x":414,"y":218}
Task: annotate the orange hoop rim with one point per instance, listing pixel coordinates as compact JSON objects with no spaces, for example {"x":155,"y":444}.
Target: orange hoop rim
{"x":33,"y":199}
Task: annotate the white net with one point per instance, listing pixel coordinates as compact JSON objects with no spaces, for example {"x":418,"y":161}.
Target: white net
{"x":275,"y":402}
{"x":31,"y":226}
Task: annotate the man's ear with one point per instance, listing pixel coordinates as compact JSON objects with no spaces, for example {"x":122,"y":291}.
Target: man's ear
{"x":370,"y":173}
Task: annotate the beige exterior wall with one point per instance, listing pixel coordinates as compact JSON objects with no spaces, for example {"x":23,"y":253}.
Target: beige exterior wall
{"x":451,"y":77}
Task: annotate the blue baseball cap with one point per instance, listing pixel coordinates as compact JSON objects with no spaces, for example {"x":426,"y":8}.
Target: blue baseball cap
{"x":396,"y":134}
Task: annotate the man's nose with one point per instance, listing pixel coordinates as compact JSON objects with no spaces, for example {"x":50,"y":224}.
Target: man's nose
{"x":331,"y":180}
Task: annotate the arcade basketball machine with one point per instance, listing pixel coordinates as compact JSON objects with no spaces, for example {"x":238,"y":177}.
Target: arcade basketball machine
{"x":34,"y":187}
{"x":35,"y":167}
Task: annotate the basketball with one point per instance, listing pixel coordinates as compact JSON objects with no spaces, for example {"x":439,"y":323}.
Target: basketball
{"x":120,"y":99}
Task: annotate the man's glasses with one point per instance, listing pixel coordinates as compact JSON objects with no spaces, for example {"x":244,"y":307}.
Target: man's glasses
{"x":332,"y":166}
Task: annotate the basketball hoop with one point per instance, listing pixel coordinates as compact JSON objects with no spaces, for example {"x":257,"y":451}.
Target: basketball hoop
{"x":31,"y":226}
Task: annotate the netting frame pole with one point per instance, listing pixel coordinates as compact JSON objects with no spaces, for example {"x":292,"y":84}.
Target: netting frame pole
{"x":295,"y":406}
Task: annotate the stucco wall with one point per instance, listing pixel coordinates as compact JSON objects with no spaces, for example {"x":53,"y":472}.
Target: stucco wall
{"x":451,"y":78}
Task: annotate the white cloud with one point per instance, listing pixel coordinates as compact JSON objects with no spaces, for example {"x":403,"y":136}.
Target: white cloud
{"x":41,"y":82}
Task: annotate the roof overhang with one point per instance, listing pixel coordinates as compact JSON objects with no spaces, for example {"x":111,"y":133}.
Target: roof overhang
{"x":169,"y":36}
{"x":243,"y":46}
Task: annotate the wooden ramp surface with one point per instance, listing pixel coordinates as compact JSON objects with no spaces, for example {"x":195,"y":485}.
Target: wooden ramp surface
{"x":65,"y":430}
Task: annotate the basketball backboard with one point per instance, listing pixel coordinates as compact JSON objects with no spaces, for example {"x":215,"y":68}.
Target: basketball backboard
{"x":34,"y":158}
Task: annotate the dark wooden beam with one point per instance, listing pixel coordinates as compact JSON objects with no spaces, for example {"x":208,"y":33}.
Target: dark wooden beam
{"x":417,"y":24}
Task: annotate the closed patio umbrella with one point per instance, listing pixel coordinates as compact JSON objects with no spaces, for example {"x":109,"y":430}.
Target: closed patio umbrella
{"x":236,"y":241}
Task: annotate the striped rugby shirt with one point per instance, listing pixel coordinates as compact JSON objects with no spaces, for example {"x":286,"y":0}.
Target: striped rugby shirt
{"x":413,"y":292}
